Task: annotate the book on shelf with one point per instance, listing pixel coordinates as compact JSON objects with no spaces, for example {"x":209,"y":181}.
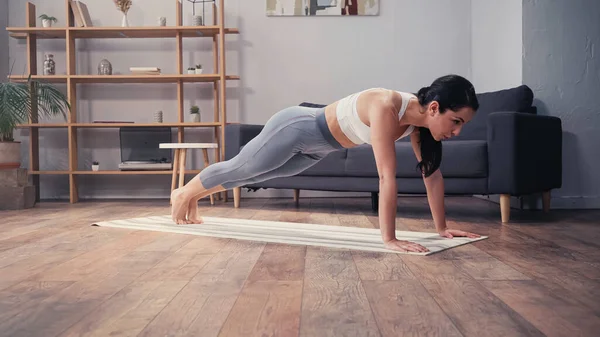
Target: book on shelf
{"x":145,"y":70}
{"x":113,"y":122}
{"x":81,"y":14}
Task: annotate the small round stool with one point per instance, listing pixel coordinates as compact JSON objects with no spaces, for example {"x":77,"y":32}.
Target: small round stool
{"x":179,"y":159}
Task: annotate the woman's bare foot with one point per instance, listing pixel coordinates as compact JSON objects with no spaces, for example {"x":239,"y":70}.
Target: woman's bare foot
{"x":179,"y":208}
{"x":193,"y":212}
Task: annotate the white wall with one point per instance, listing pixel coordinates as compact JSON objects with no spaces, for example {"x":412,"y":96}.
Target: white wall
{"x":560,"y":39}
{"x":496,"y":44}
{"x":281,"y":60}
{"x":3,"y":40}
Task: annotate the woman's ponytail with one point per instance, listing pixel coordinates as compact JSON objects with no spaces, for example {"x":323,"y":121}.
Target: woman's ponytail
{"x":451,"y":92}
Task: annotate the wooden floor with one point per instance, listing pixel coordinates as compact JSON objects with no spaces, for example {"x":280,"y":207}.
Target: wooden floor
{"x":59,"y":276}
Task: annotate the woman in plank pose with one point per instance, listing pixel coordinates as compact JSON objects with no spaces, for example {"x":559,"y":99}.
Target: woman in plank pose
{"x":296,"y":138}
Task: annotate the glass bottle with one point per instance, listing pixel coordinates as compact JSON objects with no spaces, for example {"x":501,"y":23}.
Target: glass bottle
{"x":49,"y":65}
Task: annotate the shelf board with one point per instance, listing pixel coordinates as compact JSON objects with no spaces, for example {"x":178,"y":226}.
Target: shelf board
{"x":174,"y":78}
{"x":107,"y":172}
{"x":149,"y":78}
{"x":47,"y":172}
{"x":118,"y":32}
{"x":39,"y":32}
{"x":117,"y":125}
{"x":165,"y":172}
{"x":41,"y":78}
{"x":43,"y":125}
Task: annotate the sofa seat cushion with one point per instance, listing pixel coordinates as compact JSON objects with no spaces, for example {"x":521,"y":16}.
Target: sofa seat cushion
{"x":460,"y":159}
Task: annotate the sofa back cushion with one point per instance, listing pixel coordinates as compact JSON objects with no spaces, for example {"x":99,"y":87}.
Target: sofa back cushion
{"x":518,"y":99}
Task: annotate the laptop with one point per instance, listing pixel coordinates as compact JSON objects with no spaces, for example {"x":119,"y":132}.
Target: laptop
{"x":140,"y":148}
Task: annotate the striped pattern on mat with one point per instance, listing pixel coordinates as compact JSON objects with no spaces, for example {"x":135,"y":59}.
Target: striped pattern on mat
{"x":354,"y":238}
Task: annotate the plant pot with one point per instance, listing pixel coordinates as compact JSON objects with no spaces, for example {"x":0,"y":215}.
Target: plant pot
{"x":95,"y":167}
{"x":191,"y":72}
{"x":10,"y":155}
{"x":198,"y":71}
{"x":46,"y":23}
{"x":195,"y":118}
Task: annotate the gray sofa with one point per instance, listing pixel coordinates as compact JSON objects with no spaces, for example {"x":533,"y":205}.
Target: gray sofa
{"x":507,"y":150}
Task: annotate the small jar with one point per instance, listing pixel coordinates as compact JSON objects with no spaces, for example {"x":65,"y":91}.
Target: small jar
{"x":49,"y":65}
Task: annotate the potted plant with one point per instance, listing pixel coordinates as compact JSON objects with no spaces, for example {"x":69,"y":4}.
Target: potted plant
{"x":198,"y":69}
{"x":47,"y":20}
{"x":95,"y":166}
{"x":17,"y":104}
{"x":191,"y":70}
{"x":195,"y":112}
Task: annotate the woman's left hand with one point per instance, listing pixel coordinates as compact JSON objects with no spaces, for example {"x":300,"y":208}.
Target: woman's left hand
{"x":450,"y":233}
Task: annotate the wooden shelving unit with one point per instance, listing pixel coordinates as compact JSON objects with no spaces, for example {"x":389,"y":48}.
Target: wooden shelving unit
{"x":70,"y":34}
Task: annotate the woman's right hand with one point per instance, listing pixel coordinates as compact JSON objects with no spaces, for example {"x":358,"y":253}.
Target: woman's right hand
{"x":405,"y":246}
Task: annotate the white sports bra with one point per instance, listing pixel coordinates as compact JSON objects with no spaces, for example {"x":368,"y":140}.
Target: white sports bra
{"x":354,"y":128}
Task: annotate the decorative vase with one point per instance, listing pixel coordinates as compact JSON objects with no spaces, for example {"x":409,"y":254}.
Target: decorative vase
{"x":195,"y":118}
{"x":197,"y":20}
{"x":10,"y":155}
{"x":162,"y":21}
{"x":124,"y":22}
{"x":49,"y":65}
{"x":104,"y":67}
{"x":46,"y":23}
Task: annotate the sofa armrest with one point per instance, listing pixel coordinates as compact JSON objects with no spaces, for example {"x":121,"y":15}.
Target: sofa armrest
{"x":524,"y":153}
{"x":238,"y":135}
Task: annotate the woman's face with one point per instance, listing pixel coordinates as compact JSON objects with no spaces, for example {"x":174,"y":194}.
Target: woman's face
{"x":448,"y":124}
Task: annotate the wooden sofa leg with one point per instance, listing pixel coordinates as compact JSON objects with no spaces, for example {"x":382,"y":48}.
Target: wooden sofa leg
{"x":236,"y":196}
{"x":505,"y":207}
{"x":296,"y":195}
{"x":546,"y":201}
{"x":375,"y":201}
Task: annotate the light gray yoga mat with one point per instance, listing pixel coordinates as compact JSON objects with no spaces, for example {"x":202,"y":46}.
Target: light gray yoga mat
{"x":354,"y":238}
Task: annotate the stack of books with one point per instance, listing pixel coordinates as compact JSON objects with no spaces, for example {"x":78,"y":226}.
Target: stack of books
{"x":144,"y":70}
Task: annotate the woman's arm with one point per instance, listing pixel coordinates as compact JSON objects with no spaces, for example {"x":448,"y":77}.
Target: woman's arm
{"x":384,"y":123}
{"x":434,"y":184}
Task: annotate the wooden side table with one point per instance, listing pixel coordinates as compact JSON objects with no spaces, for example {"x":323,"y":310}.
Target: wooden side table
{"x":179,"y":160}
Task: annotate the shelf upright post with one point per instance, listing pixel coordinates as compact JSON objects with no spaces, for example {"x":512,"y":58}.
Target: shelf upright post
{"x":222,"y":80}
{"x":180,"y":92}
{"x":34,"y":133}
{"x":72,"y":97}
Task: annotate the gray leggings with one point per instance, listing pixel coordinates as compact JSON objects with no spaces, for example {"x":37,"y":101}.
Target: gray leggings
{"x":291,"y":141}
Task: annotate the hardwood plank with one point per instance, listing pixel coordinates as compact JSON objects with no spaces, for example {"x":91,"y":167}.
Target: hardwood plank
{"x":336,"y":307}
{"x":406,"y":309}
{"x":381,"y":266}
{"x":333,"y":294}
{"x":185,"y":263}
{"x":279,"y":262}
{"x":113,"y":308}
{"x":59,"y":311}
{"x":139,"y":316}
{"x":266,"y":308}
{"x":324,"y":263}
{"x":553,"y":313}
{"x":95,"y":260}
{"x":474,"y":310}
{"x":203,"y":305}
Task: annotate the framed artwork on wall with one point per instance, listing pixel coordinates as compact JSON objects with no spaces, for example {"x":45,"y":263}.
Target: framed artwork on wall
{"x":322,"y":7}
